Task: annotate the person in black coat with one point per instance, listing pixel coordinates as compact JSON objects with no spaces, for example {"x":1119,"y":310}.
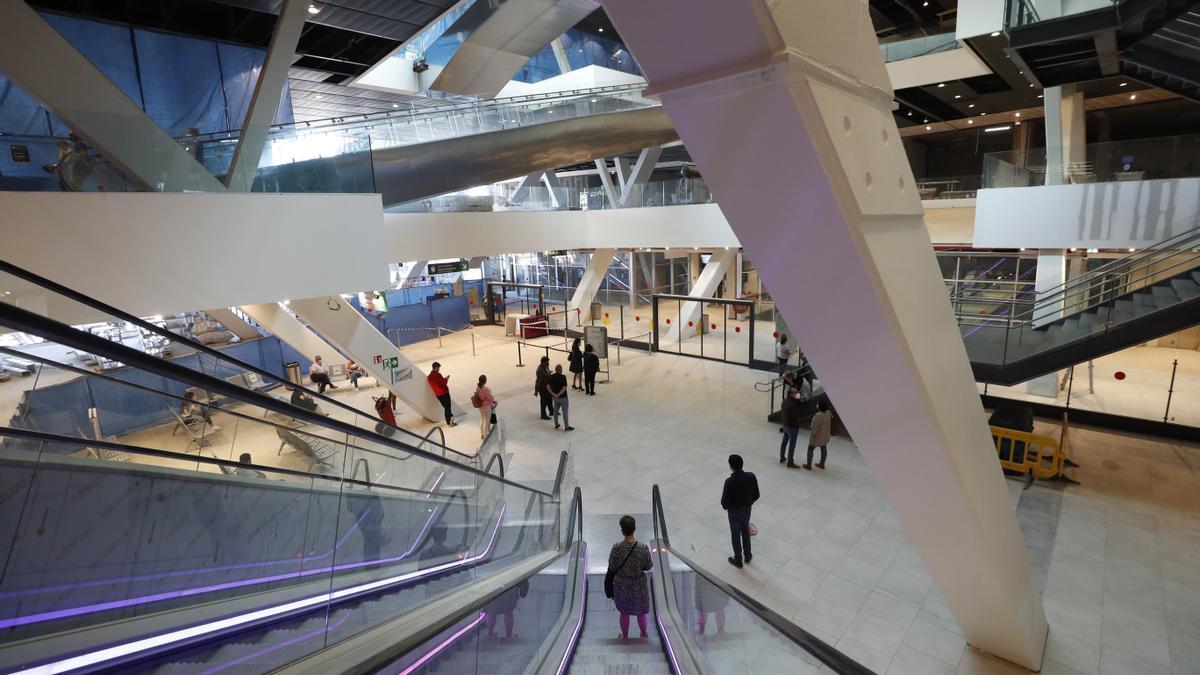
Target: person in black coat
{"x":739,"y":494}
{"x":591,"y":366}
{"x":575,"y":364}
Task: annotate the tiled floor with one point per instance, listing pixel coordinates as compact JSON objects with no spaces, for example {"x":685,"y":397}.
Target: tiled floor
{"x":1117,"y":556}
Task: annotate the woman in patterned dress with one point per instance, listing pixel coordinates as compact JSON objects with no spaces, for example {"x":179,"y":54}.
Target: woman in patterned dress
{"x":631,"y":594}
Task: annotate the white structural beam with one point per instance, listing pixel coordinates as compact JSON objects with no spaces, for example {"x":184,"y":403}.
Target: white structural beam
{"x":412,"y":271}
{"x":810,"y":76}
{"x":48,"y":68}
{"x":611,"y":192}
{"x":705,"y":286}
{"x":640,"y":173}
{"x":233,"y":323}
{"x":344,"y":327}
{"x":267,"y":92}
{"x":295,"y":334}
{"x":593,"y":277}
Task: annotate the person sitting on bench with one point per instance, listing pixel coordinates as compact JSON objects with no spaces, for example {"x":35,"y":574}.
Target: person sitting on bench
{"x":191,"y":411}
{"x":246,"y":470}
{"x":319,"y":374}
{"x":354,"y":371}
{"x":300,"y":399}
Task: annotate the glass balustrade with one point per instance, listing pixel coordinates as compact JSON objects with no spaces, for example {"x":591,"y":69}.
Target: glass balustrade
{"x":1133,"y":160}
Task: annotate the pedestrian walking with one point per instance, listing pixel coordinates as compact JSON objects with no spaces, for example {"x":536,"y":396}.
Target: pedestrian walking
{"x":790,"y":427}
{"x":558,"y":392}
{"x":440,"y":384}
{"x":739,"y":494}
{"x":591,"y":366}
{"x":782,"y":353}
{"x":486,"y":403}
{"x":575,"y":363}
{"x":822,"y":430}
{"x":628,"y":562}
{"x":541,"y":389}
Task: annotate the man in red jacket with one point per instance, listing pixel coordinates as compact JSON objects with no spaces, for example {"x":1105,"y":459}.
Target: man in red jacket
{"x":441,"y":388}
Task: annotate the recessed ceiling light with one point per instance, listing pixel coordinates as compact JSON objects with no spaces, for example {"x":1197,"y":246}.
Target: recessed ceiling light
{"x":925,"y":4}
{"x":941,"y":84}
{"x":601,"y":29}
{"x":1018,"y":114}
{"x":925,"y":121}
{"x":395,"y":105}
{"x":970,"y":121}
{"x":972,"y":105}
{"x":1020,"y":72}
{"x":995,"y":33}
{"x":1124,"y":83}
{"x":1133,"y":97}
{"x":910,"y":113}
{"x":313,"y":9}
{"x":928,"y":128}
{"x":958,"y":96}
{"x":982,"y":114}
{"x":1039,"y":95}
{"x":1031,"y":85}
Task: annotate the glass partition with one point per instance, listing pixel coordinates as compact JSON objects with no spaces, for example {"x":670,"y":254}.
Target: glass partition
{"x":919,"y":46}
{"x":1133,"y":160}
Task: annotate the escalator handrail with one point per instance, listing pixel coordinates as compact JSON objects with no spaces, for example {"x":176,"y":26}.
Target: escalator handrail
{"x":44,"y":437}
{"x":559,"y":475}
{"x":25,"y":321}
{"x":89,"y":301}
{"x":830,"y":657}
{"x":494,"y":459}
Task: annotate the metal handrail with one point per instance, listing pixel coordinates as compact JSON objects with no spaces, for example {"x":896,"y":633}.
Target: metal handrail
{"x":832,"y":658}
{"x":25,"y":321}
{"x":44,"y":437}
{"x":105,"y":308}
{"x":362,"y":461}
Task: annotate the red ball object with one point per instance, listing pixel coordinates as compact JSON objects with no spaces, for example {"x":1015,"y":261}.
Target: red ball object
{"x":689,"y":324}
{"x":637,"y":318}
{"x":714,"y":326}
{"x":668,"y":322}
{"x":1120,"y":374}
{"x":737,"y":329}
{"x":775,"y":334}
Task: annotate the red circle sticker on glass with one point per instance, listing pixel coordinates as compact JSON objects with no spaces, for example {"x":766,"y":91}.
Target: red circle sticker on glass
{"x":737,"y":329}
{"x":668,"y":322}
{"x":714,"y":326}
{"x":775,"y":334}
{"x":637,"y":318}
{"x":690,"y":324}
{"x":1120,"y":374}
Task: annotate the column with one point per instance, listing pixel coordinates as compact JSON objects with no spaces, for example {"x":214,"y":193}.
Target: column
{"x":338,"y":322}
{"x":812,"y":79}
{"x":593,"y":277}
{"x":294,"y":334}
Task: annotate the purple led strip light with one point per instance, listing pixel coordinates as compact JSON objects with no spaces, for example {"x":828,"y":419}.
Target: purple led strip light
{"x":662,"y":631}
{"x":188,"y":592}
{"x":205,"y":570}
{"x":562,"y":665}
{"x":448,"y":641}
{"x":275,"y":647}
{"x":128,"y":649}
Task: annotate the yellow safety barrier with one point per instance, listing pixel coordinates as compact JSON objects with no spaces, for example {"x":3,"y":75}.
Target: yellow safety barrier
{"x":1034,"y":455}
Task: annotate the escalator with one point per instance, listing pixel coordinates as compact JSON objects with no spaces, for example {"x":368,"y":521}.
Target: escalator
{"x":1123,"y":303}
{"x":698,"y":624}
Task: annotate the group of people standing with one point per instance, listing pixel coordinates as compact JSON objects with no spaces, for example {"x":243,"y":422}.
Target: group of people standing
{"x":551,"y":387}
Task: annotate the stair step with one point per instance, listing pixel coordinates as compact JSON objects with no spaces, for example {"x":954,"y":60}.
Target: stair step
{"x":1186,"y":288}
{"x":1164,"y":296}
{"x":1195,"y":275}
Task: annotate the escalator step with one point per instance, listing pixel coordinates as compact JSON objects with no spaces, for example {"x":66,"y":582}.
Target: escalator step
{"x":1186,"y":288}
{"x":1164,"y":296}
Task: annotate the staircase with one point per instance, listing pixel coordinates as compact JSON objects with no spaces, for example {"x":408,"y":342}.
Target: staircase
{"x":1133,"y":299}
{"x":1155,"y":41}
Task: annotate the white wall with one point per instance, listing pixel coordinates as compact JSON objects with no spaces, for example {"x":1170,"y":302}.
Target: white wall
{"x":979,"y":17}
{"x":432,"y":236}
{"x":587,"y":77}
{"x":956,"y":64}
{"x":159,"y":253}
{"x":950,"y":221}
{"x":1131,"y":214}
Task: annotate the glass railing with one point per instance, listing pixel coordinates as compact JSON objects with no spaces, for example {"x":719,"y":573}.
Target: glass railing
{"x":505,"y":197}
{"x":920,"y":46}
{"x":730,"y":628}
{"x":254,"y":365}
{"x":1020,"y":13}
{"x":119,"y":550}
{"x":948,"y":187}
{"x":1135,"y":160}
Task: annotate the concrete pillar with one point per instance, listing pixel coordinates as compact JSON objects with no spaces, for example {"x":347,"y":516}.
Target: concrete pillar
{"x":293,"y":333}
{"x":339,"y":323}
{"x":1065,"y":132}
{"x":593,"y":277}
{"x":811,"y":78}
{"x":705,"y":286}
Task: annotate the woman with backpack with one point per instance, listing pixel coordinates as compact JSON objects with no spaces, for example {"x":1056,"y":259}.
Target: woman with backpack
{"x":625,"y":581}
{"x":486,"y":403}
{"x":575,"y":365}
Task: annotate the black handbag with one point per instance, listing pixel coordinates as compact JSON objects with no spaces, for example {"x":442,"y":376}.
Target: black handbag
{"x":493,"y":421}
{"x":611,"y":574}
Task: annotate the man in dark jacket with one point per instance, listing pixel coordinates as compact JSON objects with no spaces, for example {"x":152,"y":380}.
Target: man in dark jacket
{"x":591,"y":366}
{"x":790,"y":427}
{"x":541,"y":388}
{"x":740,"y":493}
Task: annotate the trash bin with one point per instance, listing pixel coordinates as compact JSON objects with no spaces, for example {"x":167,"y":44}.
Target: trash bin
{"x":291,"y":370}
